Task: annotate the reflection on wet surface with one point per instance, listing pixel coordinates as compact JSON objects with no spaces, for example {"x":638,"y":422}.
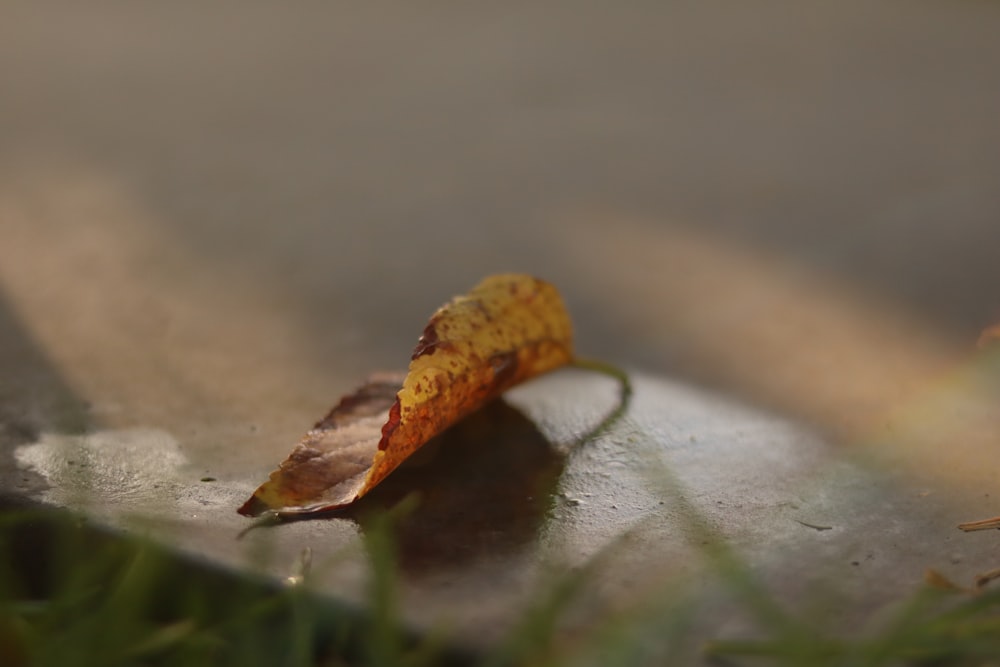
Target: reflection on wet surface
{"x":33,"y":398}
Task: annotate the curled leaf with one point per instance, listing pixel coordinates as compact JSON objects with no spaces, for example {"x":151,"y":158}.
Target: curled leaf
{"x":508,"y":329}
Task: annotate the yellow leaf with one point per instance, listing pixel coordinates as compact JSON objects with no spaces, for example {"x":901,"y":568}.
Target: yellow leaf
{"x":508,"y":329}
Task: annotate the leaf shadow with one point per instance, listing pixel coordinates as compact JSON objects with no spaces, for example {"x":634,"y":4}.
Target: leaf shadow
{"x":483,"y":487}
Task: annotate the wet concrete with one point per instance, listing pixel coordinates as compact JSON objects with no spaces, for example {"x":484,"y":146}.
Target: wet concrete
{"x":505,"y":501}
{"x":782,"y":219}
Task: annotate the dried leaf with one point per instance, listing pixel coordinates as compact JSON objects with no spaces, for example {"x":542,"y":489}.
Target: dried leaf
{"x":990,"y":337}
{"x":982,"y":524}
{"x":985,"y":578}
{"x":979,"y":583}
{"x":935,"y":579}
{"x":508,"y":329}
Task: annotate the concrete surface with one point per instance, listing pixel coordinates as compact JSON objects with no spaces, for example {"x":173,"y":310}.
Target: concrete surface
{"x":214,"y":222}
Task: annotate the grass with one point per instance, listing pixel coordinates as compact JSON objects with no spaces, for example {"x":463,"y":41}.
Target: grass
{"x":933,"y":627}
{"x":72,"y":595}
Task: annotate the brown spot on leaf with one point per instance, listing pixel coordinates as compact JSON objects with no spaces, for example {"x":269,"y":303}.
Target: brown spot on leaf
{"x":428,"y":342}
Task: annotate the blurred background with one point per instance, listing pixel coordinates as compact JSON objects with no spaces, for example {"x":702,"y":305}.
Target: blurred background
{"x":214,"y":219}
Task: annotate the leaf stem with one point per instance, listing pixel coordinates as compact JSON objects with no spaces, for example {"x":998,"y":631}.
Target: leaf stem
{"x":624,"y":396}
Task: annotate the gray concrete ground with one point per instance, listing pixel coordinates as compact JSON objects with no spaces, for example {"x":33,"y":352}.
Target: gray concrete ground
{"x":214,"y":221}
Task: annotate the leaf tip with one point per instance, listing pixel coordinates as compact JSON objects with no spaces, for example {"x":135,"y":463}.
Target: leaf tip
{"x":254,"y":506}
